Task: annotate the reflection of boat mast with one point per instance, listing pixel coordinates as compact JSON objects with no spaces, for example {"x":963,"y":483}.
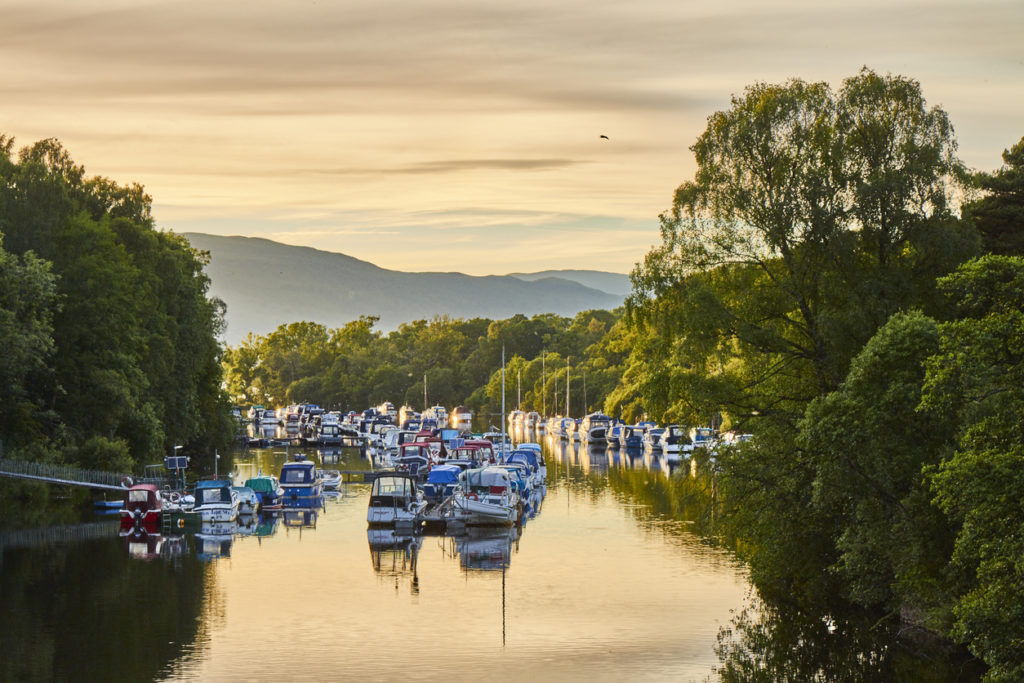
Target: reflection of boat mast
{"x":503,"y":604}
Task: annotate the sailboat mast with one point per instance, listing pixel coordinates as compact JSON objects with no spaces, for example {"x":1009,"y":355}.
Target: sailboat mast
{"x":543,"y":387}
{"x":502,"y":398}
{"x":567,"y":412}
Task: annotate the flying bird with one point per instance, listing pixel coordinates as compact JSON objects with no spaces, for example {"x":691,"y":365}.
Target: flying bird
{"x":605,"y":137}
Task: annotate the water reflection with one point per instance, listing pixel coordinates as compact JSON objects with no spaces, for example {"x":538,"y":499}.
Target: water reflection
{"x":769,"y":642}
{"x":486,"y":549}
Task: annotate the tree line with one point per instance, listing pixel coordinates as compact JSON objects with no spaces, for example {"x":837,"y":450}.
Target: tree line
{"x":110,"y":352}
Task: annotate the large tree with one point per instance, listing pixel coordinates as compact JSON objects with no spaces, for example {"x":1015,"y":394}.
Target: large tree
{"x":999,"y":215}
{"x":812,"y":217}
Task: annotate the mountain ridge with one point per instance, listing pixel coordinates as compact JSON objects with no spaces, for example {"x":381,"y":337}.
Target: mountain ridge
{"x":333,"y":288}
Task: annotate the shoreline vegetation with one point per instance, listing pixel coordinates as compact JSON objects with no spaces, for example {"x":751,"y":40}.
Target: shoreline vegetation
{"x":833,"y":280}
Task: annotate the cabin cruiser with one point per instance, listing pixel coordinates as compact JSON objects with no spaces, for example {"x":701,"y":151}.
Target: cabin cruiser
{"x":267,"y":489}
{"x":486,"y":496}
{"x":700,"y":437}
{"x":301,"y":482}
{"x":248,"y":501}
{"x":462,"y":420}
{"x":532,"y":420}
{"x":395,"y":499}
{"x":269,"y":417}
{"x":594,"y":427}
{"x":141,"y":508}
{"x":216,"y":501}
{"x":652,"y":439}
{"x":387,"y":409}
{"x":673,"y":439}
{"x":516,"y":419}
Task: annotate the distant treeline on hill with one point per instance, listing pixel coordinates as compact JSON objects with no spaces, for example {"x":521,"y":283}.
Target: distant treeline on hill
{"x":109,"y":351}
{"x":460,"y":361}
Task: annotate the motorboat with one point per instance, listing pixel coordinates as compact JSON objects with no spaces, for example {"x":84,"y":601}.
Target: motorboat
{"x":441,"y":483}
{"x":413,"y":459}
{"x":248,"y":501}
{"x":673,"y":439}
{"x":652,"y":439}
{"x":631,"y":437}
{"x":332,"y":479}
{"x":216,"y":502}
{"x":269,"y":417}
{"x":531,"y":420}
{"x":462,"y":419}
{"x":700,"y":437}
{"x":395,"y":499}
{"x":267,"y":489}
{"x":485,"y":496}
{"x":594,"y":427}
{"x":141,"y":508}
{"x":301,"y":482}
{"x":330,"y":434}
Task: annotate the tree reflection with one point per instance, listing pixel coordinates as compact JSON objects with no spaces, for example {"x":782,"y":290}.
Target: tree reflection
{"x":771,"y":643}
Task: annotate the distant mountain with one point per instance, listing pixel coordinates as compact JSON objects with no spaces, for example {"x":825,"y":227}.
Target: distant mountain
{"x":266,"y":284}
{"x":612,"y":283}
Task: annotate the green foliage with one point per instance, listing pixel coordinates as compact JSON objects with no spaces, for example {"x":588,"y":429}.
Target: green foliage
{"x":999,"y":215}
{"x":977,"y":379}
{"x":870,"y":446}
{"x":27,"y":303}
{"x":124,"y":334}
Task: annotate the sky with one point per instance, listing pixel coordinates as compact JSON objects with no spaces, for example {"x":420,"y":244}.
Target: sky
{"x":460,"y":136}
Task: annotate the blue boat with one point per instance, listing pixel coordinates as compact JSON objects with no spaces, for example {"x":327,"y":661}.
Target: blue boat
{"x":303,"y":487}
{"x":441,"y":482}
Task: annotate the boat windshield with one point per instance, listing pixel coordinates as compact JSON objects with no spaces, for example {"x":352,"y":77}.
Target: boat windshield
{"x":212,"y":496}
{"x":138,"y":496}
{"x":294,"y":475}
{"x":389,"y":486}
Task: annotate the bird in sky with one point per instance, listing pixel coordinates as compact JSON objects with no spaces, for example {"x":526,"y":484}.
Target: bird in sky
{"x":604,"y":137}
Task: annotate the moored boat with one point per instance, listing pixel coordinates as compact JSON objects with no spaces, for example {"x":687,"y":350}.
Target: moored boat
{"x":267,"y":489}
{"x":141,"y":508}
{"x":216,"y":501}
{"x":301,"y":483}
{"x":485,"y":496}
{"x":395,"y":499}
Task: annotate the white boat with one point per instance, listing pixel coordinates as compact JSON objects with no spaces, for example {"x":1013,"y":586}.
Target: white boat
{"x":531,"y":420}
{"x":395,"y":499}
{"x":462,"y":419}
{"x":269,"y":417}
{"x":594,"y":427}
{"x":515,"y":419}
{"x":216,"y":501}
{"x":248,"y":501}
{"x":332,"y":479}
{"x":485,"y":497}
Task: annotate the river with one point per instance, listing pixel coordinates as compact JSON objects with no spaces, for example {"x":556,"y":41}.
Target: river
{"x":607,"y":582}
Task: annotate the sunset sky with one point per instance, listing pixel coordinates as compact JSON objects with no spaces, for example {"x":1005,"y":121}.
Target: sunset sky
{"x":455,"y":135}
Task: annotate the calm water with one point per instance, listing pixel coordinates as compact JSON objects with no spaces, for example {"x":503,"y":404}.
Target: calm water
{"x":599,"y":585}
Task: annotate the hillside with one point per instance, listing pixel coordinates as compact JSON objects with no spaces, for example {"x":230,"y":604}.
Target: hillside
{"x":612,"y":283}
{"x":266,"y":284}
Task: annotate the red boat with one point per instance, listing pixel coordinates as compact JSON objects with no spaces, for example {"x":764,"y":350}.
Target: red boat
{"x":141,"y":508}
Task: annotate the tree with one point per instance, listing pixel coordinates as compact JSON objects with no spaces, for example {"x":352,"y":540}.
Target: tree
{"x":977,"y":379}
{"x":801,"y":233}
{"x":999,"y":216}
{"x":27,"y":303}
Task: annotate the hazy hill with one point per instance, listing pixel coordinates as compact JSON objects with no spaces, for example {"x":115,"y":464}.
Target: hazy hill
{"x":266,"y":284}
{"x":612,"y":283}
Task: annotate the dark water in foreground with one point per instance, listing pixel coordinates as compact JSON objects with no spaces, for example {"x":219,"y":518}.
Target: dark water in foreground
{"x":607,"y":582}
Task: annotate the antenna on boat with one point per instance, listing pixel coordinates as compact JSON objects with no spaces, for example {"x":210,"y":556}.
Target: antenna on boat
{"x":567,"y":413}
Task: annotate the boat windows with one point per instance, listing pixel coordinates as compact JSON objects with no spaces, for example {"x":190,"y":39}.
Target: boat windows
{"x":139,"y":496}
{"x":294,"y":476}
{"x":212,"y":496}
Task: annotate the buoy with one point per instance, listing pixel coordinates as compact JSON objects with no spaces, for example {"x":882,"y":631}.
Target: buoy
{"x":181,"y":522}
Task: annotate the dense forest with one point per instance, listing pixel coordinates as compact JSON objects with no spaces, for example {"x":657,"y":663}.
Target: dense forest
{"x":834,"y":281}
{"x":110,"y":341}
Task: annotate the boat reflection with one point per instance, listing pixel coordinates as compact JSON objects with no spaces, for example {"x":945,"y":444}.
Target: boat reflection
{"x":299,"y":518}
{"x":214,"y":540}
{"x":487,"y":549}
{"x":394,"y":555}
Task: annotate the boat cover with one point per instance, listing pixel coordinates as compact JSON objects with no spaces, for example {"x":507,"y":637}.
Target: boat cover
{"x":487,"y":477}
{"x":444,"y":474}
{"x":261,"y":484}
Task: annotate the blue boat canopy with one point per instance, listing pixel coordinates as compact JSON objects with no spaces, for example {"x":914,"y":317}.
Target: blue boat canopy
{"x":444,"y":474}
{"x":529,"y":458}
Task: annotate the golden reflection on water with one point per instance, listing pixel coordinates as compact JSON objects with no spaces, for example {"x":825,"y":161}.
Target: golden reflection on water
{"x":596,"y":587}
